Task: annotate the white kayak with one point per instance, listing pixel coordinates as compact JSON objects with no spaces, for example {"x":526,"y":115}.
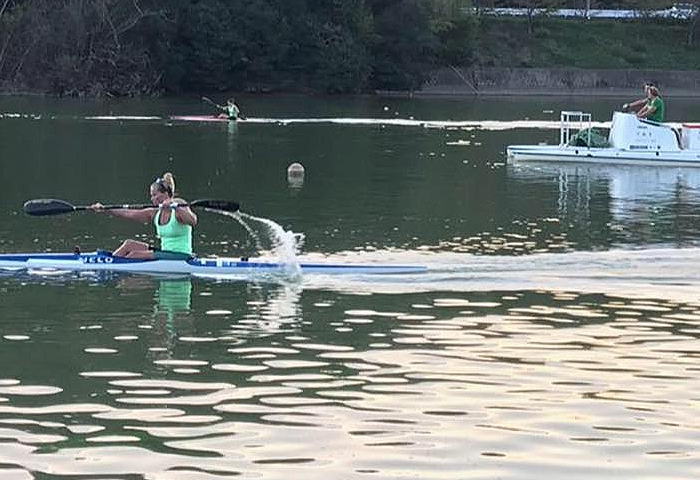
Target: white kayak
{"x":104,"y":261}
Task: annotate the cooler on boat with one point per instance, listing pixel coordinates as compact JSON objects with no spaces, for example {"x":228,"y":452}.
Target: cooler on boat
{"x":690,"y":136}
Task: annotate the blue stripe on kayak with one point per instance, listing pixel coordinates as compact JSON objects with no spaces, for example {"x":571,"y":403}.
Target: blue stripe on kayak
{"x":23,"y":257}
{"x":318,"y":266}
{"x":84,"y":257}
{"x":103,"y":259}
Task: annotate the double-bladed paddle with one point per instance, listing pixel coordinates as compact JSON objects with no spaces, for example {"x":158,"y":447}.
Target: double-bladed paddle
{"x":52,"y":206}
{"x":211,"y":102}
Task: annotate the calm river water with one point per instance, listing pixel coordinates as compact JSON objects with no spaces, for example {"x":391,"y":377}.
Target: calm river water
{"x":555,"y":334}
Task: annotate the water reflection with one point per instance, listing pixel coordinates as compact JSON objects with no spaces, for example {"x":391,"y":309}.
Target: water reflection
{"x":502,"y":363}
{"x":525,"y":381}
{"x":637,"y":203}
{"x":268,"y":307}
{"x":231,"y":137}
{"x":173,"y":295}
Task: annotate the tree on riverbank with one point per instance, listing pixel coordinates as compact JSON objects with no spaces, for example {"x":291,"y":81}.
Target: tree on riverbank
{"x":143,"y":47}
{"x":694,"y":22}
{"x":136,"y":47}
{"x":81,"y":46}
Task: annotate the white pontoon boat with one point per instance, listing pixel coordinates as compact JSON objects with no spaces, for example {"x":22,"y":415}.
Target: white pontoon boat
{"x":631,"y":141}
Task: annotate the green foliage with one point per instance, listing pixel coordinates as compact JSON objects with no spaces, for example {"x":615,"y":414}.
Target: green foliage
{"x":405,"y":48}
{"x":137,"y":47}
{"x":456,"y":31}
{"x":211,"y":48}
{"x":80,"y":46}
{"x":504,"y":42}
{"x":233,"y":45}
{"x":457,"y":41}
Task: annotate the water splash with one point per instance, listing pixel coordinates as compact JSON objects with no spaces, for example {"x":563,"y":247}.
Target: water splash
{"x":285,"y":245}
{"x":237,"y":216}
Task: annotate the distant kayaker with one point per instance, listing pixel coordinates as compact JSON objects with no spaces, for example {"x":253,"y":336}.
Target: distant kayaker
{"x":231,"y":110}
{"x":654,"y":109}
{"x":173,"y":224}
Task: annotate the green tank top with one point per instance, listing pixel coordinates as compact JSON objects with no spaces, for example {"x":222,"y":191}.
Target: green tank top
{"x":659,"y":114}
{"x":174,"y":236}
{"x":232,"y":112}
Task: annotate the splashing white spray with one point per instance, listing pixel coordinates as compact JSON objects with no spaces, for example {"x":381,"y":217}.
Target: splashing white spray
{"x":285,"y":244}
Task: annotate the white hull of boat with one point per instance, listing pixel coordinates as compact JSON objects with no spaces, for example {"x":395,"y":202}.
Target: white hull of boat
{"x":632,"y":142}
{"x":555,"y":153}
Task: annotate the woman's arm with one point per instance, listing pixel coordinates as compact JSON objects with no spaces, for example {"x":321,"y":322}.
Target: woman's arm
{"x":644,"y":112}
{"x":634,"y":104}
{"x":144,"y":215}
{"x":185,"y":215}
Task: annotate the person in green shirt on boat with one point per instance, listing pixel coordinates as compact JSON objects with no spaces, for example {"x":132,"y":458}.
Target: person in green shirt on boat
{"x":654,"y":109}
{"x":173,"y":224}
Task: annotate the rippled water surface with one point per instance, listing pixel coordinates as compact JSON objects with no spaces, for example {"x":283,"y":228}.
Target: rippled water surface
{"x":554,"y":334}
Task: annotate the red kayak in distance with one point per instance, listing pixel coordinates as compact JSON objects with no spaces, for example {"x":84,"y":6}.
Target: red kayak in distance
{"x":202,"y":118}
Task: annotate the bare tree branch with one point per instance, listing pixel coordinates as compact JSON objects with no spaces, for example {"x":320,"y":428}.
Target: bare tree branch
{"x":138,"y":7}
{"x":4,"y":6}
{"x":4,"y":50}
{"x":108,"y":18}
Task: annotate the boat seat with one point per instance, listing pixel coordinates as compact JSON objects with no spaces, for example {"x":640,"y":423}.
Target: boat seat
{"x":677,"y":131}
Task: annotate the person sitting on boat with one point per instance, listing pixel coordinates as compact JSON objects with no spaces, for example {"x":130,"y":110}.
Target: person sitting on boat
{"x":654,"y":109}
{"x":173,"y":224}
{"x":639,"y":104}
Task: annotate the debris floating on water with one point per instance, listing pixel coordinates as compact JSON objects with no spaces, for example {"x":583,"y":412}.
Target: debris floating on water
{"x":295,"y":174}
{"x":295,"y":170}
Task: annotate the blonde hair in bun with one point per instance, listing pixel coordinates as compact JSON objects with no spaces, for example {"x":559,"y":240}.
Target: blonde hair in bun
{"x":170,"y":181}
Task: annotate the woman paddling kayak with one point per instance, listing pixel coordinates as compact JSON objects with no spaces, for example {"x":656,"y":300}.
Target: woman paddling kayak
{"x":231,"y":110}
{"x":173,"y":224}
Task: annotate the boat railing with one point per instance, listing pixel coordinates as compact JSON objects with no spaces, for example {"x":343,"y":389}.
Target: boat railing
{"x":571,"y":123}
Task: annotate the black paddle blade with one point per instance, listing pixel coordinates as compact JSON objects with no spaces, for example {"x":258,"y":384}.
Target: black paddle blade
{"x":47,"y":206}
{"x":224,"y":205}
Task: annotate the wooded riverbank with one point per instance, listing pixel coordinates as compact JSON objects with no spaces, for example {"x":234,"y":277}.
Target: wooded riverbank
{"x":160,"y":47}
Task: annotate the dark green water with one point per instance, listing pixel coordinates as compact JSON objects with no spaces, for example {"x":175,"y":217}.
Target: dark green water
{"x":555,"y":334}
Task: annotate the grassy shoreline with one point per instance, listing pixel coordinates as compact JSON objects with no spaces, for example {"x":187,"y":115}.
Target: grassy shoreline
{"x":597,"y":44}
